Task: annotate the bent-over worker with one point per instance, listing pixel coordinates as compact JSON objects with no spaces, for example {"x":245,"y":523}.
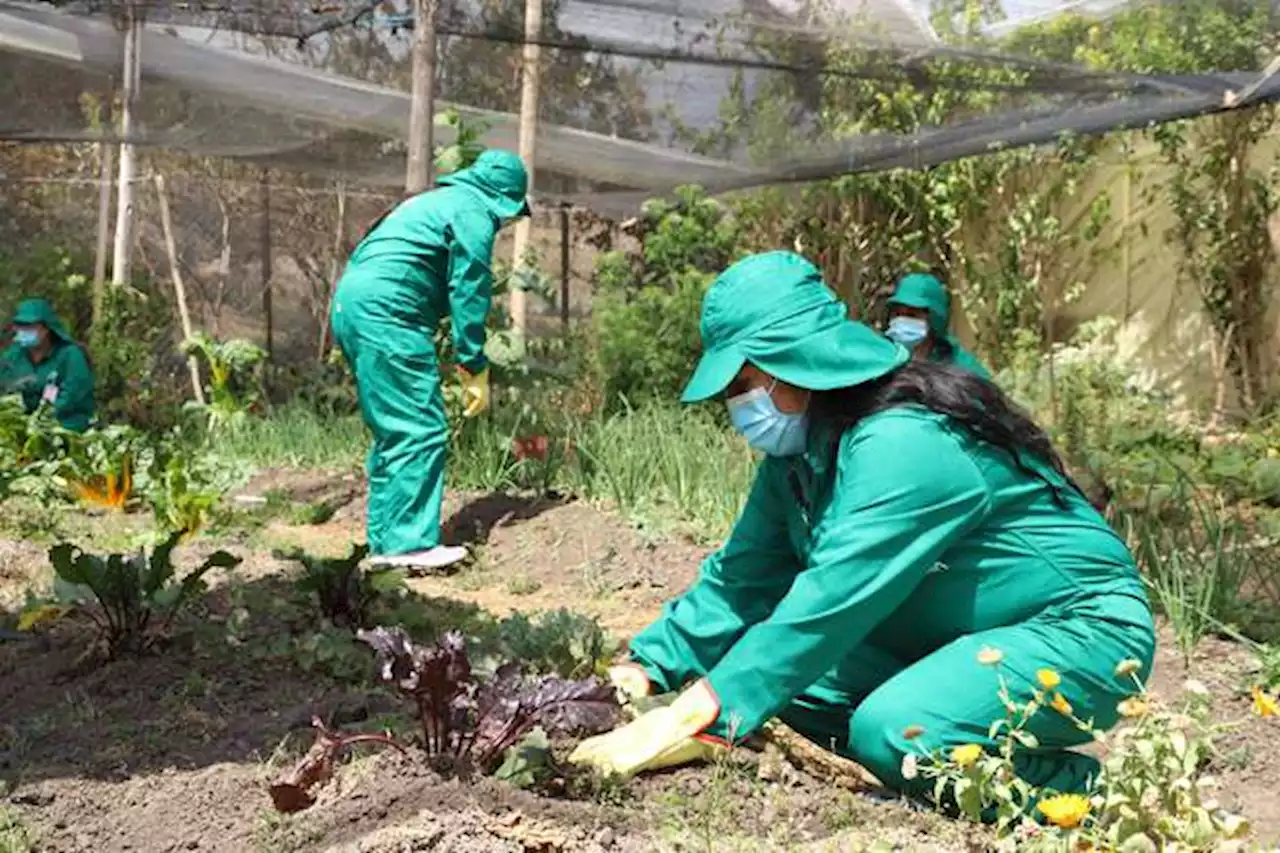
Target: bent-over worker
{"x":920,"y":320}
{"x":429,"y":258}
{"x":905,"y":517}
{"x":44,"y":364}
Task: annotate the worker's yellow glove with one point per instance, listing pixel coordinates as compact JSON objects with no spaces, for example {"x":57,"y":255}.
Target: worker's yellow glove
{"x":475,"y":392}
{"x":631,"y":679}
{"x":664,"y":737}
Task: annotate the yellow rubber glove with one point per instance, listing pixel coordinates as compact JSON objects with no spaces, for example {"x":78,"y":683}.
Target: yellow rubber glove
{"x":475,"y":392}
{"x":630,"y":678}
{"x":664,"y":737}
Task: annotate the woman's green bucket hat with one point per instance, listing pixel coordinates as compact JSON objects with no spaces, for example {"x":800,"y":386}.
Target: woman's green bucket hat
{"x":774,"y":310}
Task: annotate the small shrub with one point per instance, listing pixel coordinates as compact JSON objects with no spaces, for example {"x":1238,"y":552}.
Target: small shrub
{"x":1152,"y":793}
{"x":130,"y":597}
{"x":343,"y":591}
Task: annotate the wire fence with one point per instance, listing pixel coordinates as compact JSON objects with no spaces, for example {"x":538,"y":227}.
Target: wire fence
{"x":226,"y":225}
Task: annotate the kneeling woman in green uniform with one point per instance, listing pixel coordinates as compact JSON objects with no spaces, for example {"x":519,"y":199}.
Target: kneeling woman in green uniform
{"x":45,"y":365}
{"x":920,"y":320}
{"x":906,"y":516}
{"x":427,"y":259}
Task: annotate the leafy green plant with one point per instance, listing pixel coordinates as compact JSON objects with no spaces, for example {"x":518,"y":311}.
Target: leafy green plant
{"x":558,"y":642}
{"x":645,"y":312}
{"x":129,"y":597}
{"x":233,"y":367}
{"x":343,"y":591}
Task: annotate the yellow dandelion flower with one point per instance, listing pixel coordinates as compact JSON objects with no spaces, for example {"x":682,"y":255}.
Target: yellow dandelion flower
{"x":966,"y":755}
{"x":1129,"y":666}
{"x":1133,"y":707}
{"x":1265,"y":704}
{"x":1060,"y":704}
{"x":1048,"y":678}
{"x":1065,"y":810}
{"x":988,"y":656}
{"x":912,"y":732}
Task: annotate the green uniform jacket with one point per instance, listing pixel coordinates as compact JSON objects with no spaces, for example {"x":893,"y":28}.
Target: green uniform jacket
{"x":430,"y":259}
{"x":908,"y":537}
{"x":64,"y":377}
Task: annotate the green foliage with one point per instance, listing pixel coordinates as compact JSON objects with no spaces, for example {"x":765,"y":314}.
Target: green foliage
{"x":1152,"y":793}
{"x":467,"y":145}
{"x":129,"y":597}
{"x":344,"y":592}
{"x":234,"y":379}
{"x":645,"y":311}
{"x":558,"y":642}
{"x":15,"y":835}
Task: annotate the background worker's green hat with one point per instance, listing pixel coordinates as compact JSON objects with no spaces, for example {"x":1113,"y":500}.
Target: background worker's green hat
{"x":774,"y":310}
{"x":33,"y":311}
{"x":501,"y":177}
{"x":924,"y":291}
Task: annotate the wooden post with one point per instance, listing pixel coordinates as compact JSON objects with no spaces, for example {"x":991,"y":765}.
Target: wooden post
{"x":125,"y":213}
{"x":564,"y":266}
{"x":179,"y":289}
{"x":107,"y":155}
{"x":264,"y":197}
{"x":529,"y":73}
{"x":335,"y":269}
{"x":419,"y":170}
{"x":1126,"y":269}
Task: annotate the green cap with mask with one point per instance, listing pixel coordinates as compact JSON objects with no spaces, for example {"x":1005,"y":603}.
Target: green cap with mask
{"x":774,"y":310}
{"x":34,"y":312}
{"x":924,"y":292}
{"x":501,"y":178}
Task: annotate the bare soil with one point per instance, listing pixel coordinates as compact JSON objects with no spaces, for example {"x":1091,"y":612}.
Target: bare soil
{"x":174,"y":751}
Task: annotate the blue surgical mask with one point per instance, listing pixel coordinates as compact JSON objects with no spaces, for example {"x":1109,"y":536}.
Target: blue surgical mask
{"x":26,"y":338}
{"x":907,"y":331}
{"x":767,"y":429}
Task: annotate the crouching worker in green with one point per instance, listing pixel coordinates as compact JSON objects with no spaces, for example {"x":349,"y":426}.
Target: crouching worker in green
{"x":920,"y":320}
{"x":45,"y":365}
{"x":905,"y":518}
{"x":427,"y":259}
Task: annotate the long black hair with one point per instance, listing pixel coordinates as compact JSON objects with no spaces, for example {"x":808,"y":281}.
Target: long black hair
{"x":974,"y":404}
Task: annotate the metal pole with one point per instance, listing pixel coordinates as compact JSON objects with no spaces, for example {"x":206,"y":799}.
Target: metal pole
{"x":418,"y":173}
{"x":125,"y":210}
{"x":529,"y":72}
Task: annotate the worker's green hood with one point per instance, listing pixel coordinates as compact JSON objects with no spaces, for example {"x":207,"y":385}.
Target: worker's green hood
{"x":924,"y":291}
{"x":34,"y":311}
{"x":501,"y":178}
{"x":775,"y":311}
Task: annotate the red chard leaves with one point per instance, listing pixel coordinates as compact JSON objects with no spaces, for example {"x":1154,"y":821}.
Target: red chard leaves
{"x":473,"y":720}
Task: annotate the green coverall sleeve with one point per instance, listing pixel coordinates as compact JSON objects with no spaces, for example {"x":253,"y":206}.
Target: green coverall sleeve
{"x":470,"y":239}
{"x":905,"y":490}
{"x":739,"y":585}
{"x":74,"y":406}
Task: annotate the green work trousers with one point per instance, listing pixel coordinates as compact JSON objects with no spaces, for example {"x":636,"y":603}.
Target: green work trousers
{"x":864,"y":707}
{"x":398,"y":385}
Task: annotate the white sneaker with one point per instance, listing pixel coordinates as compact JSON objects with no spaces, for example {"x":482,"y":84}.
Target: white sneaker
{"x":433,"y":558}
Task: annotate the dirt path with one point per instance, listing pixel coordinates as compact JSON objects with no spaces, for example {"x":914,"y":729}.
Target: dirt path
{"x":173,"y":752}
